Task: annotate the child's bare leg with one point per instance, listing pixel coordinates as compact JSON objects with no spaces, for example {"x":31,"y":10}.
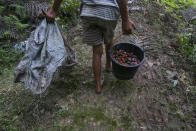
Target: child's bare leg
{"x":108,"y":65}
{"x":97,"y":54}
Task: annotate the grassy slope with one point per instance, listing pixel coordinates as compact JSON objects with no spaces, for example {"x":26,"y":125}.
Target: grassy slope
{"x":149,"y":101}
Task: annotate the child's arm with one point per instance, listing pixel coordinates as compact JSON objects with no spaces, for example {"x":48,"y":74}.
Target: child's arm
{"x":127,"y":24}
{"x":51,"y":14}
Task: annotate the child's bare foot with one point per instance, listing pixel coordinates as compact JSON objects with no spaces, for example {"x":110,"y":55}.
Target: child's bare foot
{"x":108,"y":68}
{"x":99,"y":89}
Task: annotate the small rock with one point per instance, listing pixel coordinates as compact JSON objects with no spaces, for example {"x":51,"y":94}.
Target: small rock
{"x":92,"y":119}
{"x":130,"y":2}
{"x":42,"y":111}
{"x":158,"y":63}
{"x":76,"y":38}
{"x":94,"y":124}
{"x":98,"y":123}
{"x":171,"y":75}
{"x":194,"y":18}
{"x":136,"y":8}
{"x":150,"y":63}
{"x":143,"y":128}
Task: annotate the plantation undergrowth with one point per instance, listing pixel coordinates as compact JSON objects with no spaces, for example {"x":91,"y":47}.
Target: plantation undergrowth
{"x":160,"y":97}
{"x":186,"y":39}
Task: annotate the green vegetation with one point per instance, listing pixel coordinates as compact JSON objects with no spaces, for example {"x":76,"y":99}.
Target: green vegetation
{"x":151,"y":101}
{"x":68,"y":13}
{"x":15,"y":26}
{"x":188,"y":45}
{"x":82,"y":117}
{"x":186,"y":40}
{"x":8,"y":57}
{"x":13,"y":29}
{"x":13,"y":21}
{"x":177,"y":4}
{"x":172,"y":14}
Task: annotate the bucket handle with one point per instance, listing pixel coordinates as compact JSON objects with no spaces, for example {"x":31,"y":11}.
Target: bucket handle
{"x":136,"y":36}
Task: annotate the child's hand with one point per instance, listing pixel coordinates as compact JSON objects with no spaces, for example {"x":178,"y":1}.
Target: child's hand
{"x":128,"y":27}
{"x":50,"y":15}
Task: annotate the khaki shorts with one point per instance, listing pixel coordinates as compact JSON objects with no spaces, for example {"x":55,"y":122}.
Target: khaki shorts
{"x":96,"y":31}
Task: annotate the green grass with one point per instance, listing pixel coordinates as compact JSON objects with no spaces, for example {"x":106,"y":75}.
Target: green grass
{"x":177,"y":4}
{"x":6,"y":78}
{"x":71,"y":104}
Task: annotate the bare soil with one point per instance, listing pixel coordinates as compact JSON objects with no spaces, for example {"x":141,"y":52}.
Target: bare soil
{"x":158,"y":98}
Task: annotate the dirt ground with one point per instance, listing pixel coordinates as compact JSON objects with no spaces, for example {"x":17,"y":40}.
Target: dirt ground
{"x":158,"y":98}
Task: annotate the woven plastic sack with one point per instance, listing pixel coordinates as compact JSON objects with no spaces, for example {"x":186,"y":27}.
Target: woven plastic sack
{"x":46,"y":51}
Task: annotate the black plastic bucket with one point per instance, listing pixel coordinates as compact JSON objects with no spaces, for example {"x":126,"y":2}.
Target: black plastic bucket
{"x":124,"y":72}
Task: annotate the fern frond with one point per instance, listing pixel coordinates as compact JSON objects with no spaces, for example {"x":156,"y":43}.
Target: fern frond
{"x":8,"y":34}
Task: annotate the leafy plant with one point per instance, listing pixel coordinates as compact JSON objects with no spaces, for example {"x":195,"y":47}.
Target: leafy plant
{"x":12,"y":28}
{"x":12,"y":21}
{"x":68,"y":12}
{"x":172,"y":15}
{"x":18,"y":9}
{"x":8,"y":57}
{"x":178,"y":3}
{"x":188,"y":45}
{"x":1,"y":9}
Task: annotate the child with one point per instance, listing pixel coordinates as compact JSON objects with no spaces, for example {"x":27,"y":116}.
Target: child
{"x":99,"y":18}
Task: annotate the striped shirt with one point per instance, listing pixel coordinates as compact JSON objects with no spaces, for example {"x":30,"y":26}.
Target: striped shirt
{"x":112,"y":3}
{"x":103,"y":9}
